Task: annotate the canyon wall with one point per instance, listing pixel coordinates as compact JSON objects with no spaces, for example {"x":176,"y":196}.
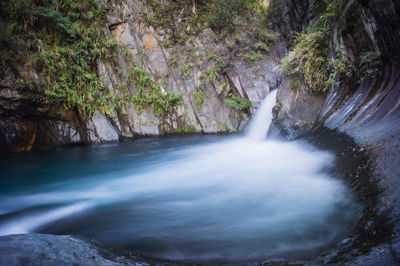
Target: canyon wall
{"x":367,"y":109}
{"x":207,"y":82}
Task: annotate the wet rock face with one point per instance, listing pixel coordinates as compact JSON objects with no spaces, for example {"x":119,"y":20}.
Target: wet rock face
{"x":367,"y":110}
{"x":386,"y":14}
{"x":182,"y":69}
{"x":288,"y":16}
{"x":38,"y":249}
{"x":290,"y":112}
{"x":370,"y":115}
{"x":176,"y":68}
{"x":25,"y":120}
{"x":101,"y":129}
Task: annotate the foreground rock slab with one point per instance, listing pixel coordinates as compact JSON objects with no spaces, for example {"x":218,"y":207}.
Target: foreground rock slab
{"x":40,"y":249}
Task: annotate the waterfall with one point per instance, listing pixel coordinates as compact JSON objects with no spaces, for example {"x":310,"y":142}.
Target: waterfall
{"x":259,"y":125}
{"x":188,"y":198}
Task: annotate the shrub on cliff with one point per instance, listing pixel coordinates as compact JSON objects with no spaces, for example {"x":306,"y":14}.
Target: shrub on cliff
{"x":224,"y":12}
{"x":62,"y":40}
{"x":309,"y":61}
{"x":309,"y":64}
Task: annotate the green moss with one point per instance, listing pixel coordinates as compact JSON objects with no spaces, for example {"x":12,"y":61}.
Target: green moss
{"x":255,"y":71}
{"x":125,"y":54}
{"x":118,"y":69}
{"x":342,"y":68}
{"x":187,"y":129}
{"x":221,"y":127}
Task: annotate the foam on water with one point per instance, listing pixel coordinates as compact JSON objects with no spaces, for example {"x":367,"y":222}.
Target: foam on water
{"x":27,"y":224}
{"x":237,"y":198}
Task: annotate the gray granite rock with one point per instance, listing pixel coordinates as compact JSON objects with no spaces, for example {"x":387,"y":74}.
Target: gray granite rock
{"x":104,"y":129}
{"x":39,"y":249}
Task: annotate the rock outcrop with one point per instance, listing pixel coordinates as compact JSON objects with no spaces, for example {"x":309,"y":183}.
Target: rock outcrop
{"x":367,"y":110}
{"x":205,"y":70}
{"x":39,"y":249}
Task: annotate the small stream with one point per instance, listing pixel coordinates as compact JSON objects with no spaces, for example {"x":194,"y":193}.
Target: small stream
{"x":196,"y":197}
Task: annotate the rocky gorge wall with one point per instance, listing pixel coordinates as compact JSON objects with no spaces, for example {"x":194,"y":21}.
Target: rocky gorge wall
{"x":202,"y":73}
{"x":367,"y":110}
{"x":206,"y":69}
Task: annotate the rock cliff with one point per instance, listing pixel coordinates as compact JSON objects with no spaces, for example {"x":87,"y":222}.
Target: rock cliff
{"x":368,"y":108}
{"x":157,"y":82}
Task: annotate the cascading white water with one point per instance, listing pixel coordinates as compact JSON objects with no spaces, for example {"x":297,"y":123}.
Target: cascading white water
{"x":183,"y":198}
{"x":259,"y":125}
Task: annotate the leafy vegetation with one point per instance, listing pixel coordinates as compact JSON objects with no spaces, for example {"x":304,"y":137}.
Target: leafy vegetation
{"x":212,"y":73}
{"x":198,"y":97}
{"x":223,"y":13}
{"x":175,"y":99}
{"x":309,"y":65}
{"x":341,"y":69}
{"x":237,"y":103}
{"x":64,"y":40}
{"x":185,"y":69}
{"x":195,"y":15}
{"x":187,"y":129}
{"x":369,"y":65}
{"x":233,"y":101}
{"x":165,"y":15}
{"x":149,"y":94}
{"x":266,"y":37}
{"x":251,"y":57}
{"x":309,"y":61}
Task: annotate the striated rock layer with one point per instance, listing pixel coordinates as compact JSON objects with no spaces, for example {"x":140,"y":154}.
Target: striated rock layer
{"x":367,"y":110}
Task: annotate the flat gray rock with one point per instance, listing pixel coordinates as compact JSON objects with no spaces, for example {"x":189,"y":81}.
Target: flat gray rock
{"x":40,"y":249}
